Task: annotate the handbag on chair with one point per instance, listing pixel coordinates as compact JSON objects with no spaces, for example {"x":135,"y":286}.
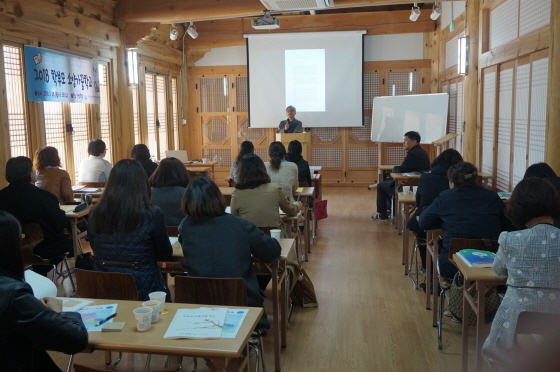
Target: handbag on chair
{"x":320,"y":209}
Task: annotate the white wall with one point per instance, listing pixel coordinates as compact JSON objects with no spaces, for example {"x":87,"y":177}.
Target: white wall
{"x":376,"y":48}
{"x":446,"y":18}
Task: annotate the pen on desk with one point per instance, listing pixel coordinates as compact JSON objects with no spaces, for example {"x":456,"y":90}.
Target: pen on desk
{"x":106,"y":319}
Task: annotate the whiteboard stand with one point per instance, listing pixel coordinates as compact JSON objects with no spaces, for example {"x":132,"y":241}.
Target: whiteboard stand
{"x":443,"y":143}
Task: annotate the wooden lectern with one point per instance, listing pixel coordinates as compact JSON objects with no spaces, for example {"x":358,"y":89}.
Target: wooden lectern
{"x":304,"y":138}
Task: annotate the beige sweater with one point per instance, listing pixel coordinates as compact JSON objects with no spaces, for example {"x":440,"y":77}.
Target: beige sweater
{"x":286,"y":177}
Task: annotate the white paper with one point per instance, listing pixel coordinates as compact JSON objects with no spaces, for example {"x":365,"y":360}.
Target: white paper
{"x":91,"y":315}
{"x":197,"y":323}
{"x":68,"y":303}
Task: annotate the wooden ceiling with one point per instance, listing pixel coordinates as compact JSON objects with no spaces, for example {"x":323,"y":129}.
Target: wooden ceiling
{"x":222,"y":23}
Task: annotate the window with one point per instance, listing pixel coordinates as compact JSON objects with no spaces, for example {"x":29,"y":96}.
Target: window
{"x":161,"y":110}
{"x":15,"y":93}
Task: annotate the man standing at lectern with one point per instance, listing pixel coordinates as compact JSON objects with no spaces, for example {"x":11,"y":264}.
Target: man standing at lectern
{"x":290,"y":125}
{"x":416,"y":160}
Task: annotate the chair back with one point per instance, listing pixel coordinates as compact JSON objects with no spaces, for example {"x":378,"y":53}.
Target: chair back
{"x":33,"y":235}
{"x":534,"y":323}
{"x":458,"y":244}
{"x":412,"y":181}
{"x":173,"y":231}
{"x":210,"y":291}
{"x":92,"y":184}
{"x":105,"y":285}
{"x":81,"y":368}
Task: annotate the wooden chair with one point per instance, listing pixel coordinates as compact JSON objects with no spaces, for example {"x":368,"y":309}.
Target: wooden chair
{"x":172,"y":231}
{"x":216,"y":291}
{"x":33,"y":235}
{"x":455,"y":246}
{"x":106,"y":285}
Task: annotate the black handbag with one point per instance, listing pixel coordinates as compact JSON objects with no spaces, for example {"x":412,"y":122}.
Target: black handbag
{"x":84,"y":261}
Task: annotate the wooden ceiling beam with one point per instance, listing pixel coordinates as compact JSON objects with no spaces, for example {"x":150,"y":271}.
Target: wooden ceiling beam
{"x":173,"y":11}
{"x":229,"y":32}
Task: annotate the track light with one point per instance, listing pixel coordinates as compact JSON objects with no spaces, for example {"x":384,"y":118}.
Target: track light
{"x":173,"y":33}
{"x":191,"y":30}
{"x":436,"y":12}
{"x":415,"y":13}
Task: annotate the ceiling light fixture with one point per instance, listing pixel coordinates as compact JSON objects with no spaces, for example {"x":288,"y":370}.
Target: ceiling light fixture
{"x":436,"y":12}
{"x":191,"y":30}
{"x":173,"y":33}
{"x":415,"y":13}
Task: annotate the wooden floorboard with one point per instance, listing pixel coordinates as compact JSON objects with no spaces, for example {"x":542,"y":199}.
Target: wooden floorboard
{"x":369,"y":318}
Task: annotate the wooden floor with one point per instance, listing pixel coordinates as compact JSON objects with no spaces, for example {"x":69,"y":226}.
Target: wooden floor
{"x":369,"y":318}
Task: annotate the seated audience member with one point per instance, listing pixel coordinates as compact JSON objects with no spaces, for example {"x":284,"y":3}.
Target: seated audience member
{"x":294,"y":155}
{"x":169,"y":182}
{"x":530,"y":261}
{"x":126,"y":233}
{"x":467,"y":210}
{"x":282,"y":171}
{"x":245,"y":148}
{"x":30,"y":204}
{"x":257,"y":199}
{"x":30,"y":326}
{"x":141,"y":154}
{"x":429,"y":187}
{"x":220,"y":245}
{"x":416,"y":160}
{"x":94,"y":168}
{"x":50,"y":176}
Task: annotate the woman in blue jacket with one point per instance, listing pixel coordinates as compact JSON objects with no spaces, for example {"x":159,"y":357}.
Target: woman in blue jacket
{"x":127,"y":233}
{"x":466,"y":210}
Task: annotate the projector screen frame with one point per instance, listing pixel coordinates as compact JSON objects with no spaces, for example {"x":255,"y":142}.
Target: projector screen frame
{"x":306,"y":126}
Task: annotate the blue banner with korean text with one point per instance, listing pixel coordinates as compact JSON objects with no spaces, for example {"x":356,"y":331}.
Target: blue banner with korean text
{"x":59,"y":77}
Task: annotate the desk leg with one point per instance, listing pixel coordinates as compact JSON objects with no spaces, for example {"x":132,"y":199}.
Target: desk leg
{"x":276,"y":323}
{"x":306,"y":227}
{"x":75,"y":239}
{"x":405,"y":240}
{"x":482,"y":288}
{"x":465,"y":326}
{"x":428,"y":276}
{"x":283,"y":304}
{"x":435,"y":283}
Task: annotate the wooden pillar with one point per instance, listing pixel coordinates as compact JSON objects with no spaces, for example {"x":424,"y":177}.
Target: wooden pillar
{"x":471,"y":83}
{"x":552,"y":153}
{"x":4,"y":124}
{"x":431,"y":52}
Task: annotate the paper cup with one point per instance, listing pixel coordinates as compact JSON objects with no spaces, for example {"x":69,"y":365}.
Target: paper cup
{"x":154,"y":304}
{"x":414,"y":189}
{"x":143,"y":318}
{"x":275,"y":234}
{"x":204,"y":160}
{"x":406,"y":189}
{"x":159,"y":296}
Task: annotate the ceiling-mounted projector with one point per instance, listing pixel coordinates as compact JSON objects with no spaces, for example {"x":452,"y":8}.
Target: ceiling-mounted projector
{"x":265,"y":23}
{"x":297,"y":4}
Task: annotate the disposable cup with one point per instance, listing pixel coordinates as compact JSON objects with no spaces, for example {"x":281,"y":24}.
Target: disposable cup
{"x":154,"y":304}
{"x":159,"y":296}
{"x":143,"y":318}
{"x":414,"y":189}
{"x":275,"y":233}
{"x":406,"y":189}
{"x":204,"y":160}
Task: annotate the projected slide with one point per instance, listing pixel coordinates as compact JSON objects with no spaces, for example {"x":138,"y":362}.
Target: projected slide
{"x":305,"y":79}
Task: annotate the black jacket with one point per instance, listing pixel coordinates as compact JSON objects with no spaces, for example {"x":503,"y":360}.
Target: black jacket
{"x":145,"y":245}
{"x":30,"y":204}
{"x":304,"y":173}
{"x":416,"y":160}
{"x":429,"y":188}
{"x":27,"y":324}
{"x":223,"y":246}
{"x":148,"y":165}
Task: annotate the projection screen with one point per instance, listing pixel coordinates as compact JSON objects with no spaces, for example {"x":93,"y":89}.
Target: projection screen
{"x":319,"y":73}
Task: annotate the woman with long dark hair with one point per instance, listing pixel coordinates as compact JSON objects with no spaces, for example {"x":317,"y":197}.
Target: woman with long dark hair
{"x":245,"y":148}
{"x":30,"y":326}
{"x":127,"y":233}
{"x":294,"y":155}
{"x":50,"y":176}
{"x":530,"y":261}
{"x":282,"y":171}
{"x":220,"y":245}
{"x":169,"y":182}
{"x":257,"y":199}
{"x":141,"y":153}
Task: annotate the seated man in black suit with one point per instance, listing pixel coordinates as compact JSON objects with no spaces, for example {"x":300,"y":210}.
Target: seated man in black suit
{"x":416,"y":160}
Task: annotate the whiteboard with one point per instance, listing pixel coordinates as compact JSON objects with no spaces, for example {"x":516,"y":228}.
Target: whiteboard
{"x":393,"y":116}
